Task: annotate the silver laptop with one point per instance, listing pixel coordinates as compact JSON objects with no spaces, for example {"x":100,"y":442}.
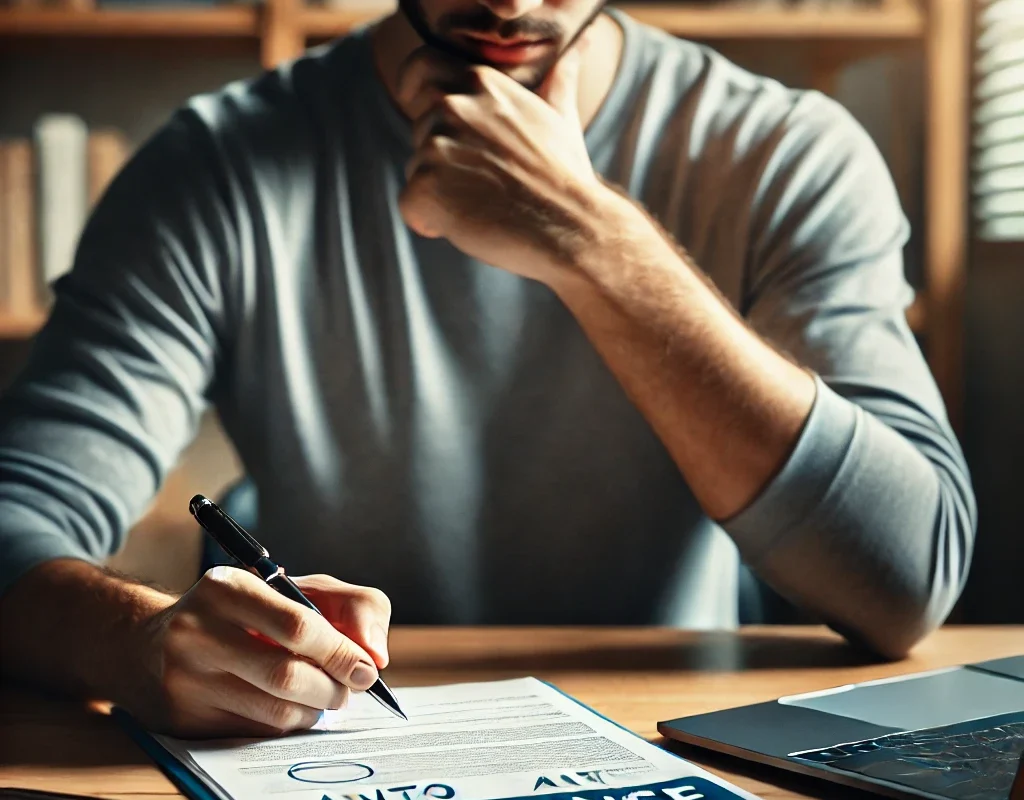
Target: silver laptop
{"x":950,"y":734}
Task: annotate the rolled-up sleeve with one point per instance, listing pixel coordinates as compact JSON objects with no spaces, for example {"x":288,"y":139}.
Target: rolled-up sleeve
{"x":870,"y":523}
{"x":117,"y":380}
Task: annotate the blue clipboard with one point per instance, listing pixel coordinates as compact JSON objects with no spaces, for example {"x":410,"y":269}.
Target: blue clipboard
{"x":177,"y":773}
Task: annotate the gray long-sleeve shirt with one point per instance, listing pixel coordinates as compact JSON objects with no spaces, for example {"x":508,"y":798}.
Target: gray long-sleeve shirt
{"x":424,"y":423}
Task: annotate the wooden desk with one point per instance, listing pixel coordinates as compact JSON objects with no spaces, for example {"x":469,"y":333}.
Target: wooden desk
{"x":635,"y":676}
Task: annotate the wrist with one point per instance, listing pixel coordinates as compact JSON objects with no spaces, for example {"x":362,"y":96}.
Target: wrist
{"x":124,"y":665}
{"x":71,"y":626}
{"x":610,"y":229}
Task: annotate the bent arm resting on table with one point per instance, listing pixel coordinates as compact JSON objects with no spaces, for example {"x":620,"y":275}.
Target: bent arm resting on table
{"x":847,"y":492}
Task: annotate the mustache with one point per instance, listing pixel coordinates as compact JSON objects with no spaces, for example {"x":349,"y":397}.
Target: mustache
{"x":485,"y":21}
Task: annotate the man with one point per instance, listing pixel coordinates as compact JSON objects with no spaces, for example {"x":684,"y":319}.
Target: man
{"x":550,"y":319}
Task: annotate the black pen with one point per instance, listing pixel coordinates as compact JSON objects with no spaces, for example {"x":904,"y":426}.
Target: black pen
{"x":240,"y":545}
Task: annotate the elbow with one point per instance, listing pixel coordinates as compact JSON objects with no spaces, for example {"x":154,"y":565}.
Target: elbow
{"x":893,"y":638}
{"x":920,"y":599}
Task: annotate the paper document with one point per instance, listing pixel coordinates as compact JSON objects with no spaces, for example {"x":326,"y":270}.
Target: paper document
{"x":501,"y":739}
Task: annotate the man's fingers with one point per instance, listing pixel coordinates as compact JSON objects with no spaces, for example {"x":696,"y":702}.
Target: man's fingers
{"x":243,"y":599}
{"x":238,"y":697}
{"x":561,"y":85}
{"x":360,"y":612}
{"x":426,"y":76}
{"x":451,"y":115}
{"x":217,"y":723}
{"x":273,"y":669}
{"x":440,"y":162}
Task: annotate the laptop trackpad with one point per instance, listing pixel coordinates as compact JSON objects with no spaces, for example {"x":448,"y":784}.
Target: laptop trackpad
{"x":924,"y":700}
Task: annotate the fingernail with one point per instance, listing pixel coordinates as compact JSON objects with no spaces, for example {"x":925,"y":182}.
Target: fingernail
{"x":363,"y":676}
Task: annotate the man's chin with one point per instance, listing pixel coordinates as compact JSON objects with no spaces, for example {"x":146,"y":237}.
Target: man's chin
{"x":529,"y":75}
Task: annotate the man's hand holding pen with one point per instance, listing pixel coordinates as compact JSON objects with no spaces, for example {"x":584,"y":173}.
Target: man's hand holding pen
{"x":234,"y":657}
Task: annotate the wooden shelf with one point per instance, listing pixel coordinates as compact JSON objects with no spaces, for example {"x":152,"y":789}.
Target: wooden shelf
{"x":889,"y":20}
{"x":226,"y":21}
{"x":20,"y":326}
{"x":324,"y":23}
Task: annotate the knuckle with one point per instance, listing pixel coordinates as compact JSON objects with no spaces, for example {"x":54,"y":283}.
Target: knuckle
{"x":175,"y":683}
{"x":286,"y":677}
{"x":342,"y":659}
{"x":282,"y":714}
{"x":295,"y":626}
{"x":406,"y":79}
{"x":219,"y":581}
{"x":451,"y":106}
{"x":419,"y":60}
{"x":317,"y":581}
{"x":377,"y":600}
{"x":181,"y":628}
{"x":504,"y":111}
{"x":423,"y":185}
{"x":416,"y":204}
{"x":173,"y":693}
{"x":428,"y":98}
{"x":479,"y":76}
{"x":435,"y":147}
{"x":412,"y":75}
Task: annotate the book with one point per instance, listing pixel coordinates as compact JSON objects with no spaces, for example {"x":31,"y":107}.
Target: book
{"x":21,"y":276}
{"x":498,"y":739}
{"x":61,"y":143}
{"x":108,"y":151}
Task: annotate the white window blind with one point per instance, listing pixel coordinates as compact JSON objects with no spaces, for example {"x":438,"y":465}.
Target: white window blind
{"x":998,"y":146}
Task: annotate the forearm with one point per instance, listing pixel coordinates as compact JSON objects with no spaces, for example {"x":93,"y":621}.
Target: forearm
{"x":837,"y":510}
{"x":70,"y":626}
{"x":727,"y":407}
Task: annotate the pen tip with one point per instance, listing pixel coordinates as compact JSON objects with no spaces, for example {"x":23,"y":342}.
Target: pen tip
{"x":383,"y":695}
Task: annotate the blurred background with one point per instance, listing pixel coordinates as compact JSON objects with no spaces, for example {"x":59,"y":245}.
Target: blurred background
{"x":939,"y":84}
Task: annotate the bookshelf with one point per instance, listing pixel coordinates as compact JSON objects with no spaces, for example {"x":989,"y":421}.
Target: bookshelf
{"x":215,"y":22}
{"x":893,"y":20}
{"x":937,"y":30}
{"x":890,"y":20}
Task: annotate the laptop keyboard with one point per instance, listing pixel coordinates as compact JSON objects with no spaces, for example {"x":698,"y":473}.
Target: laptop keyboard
{"x":974,"y":760}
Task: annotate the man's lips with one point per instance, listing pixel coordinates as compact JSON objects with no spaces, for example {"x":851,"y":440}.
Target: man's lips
{"x":507,"y":51}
